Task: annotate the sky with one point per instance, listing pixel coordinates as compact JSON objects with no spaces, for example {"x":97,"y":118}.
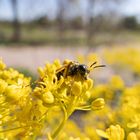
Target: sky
{"x":131,"y":7}
{"x":49,"y":8}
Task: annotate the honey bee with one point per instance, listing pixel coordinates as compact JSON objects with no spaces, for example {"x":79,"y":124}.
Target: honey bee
{"x":73,"y":68}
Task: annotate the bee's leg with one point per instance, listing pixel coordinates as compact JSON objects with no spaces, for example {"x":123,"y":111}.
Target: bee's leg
{"x":65,"y":74}
{"x":85,"y":77}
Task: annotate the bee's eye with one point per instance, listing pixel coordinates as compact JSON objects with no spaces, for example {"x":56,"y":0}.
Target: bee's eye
{"x":82,"y":69}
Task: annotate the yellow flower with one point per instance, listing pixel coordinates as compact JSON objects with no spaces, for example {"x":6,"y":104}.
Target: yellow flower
{"x":13,"y":92}
{"x":112,"y":133}
{"x":2,"y":65}
{"x":98,"y":104}
{"x":76,"y":88}
{"x":3,"y":86}
{"x":71,"y":138}
{"x":25,"y":113}
{"x":132,"y":136}
{"x":116,"y":83}
{"x":90,"y":83}
{"x":48,"y":97}
{"x":69,"y":90}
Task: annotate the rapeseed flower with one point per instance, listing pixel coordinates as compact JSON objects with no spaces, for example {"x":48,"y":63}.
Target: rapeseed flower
{"x":24,"y":110}
{"x":113,"y":133}
{"x":69,"y":93}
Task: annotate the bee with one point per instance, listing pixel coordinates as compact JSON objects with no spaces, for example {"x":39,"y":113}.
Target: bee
{"x":73,"y":68}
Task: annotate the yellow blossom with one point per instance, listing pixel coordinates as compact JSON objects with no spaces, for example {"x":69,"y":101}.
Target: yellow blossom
{"x":76,"y":88}
{"x":117,"y":83}
{"x":27,"y":113}
{"x":2,"y":65}
{"x":3,"y":85}
{"x":112,"y":133}
{"x":13,"y":92}
{"x":98,"y":104}
{"x":132,"y":136}
{"x":48,"y":97}
{"x":71,"y":138}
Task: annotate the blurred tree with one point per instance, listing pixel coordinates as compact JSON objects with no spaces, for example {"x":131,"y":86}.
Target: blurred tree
{"x":130,"y":23}
{"x":16,"y":23}
{"x":90,"y":28}
{"x":60,"y":17}
{"x":63,"y":6}
{"x":95,"y":9}
{"x":76,"y":23}
{"x":43,"y":21}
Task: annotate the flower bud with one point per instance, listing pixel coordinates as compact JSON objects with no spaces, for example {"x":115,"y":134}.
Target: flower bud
{"x":2,"y":65}
{"x":76,"y":88}
{"x":85,"y":86}
{"x":41,"y":72}
{"x":66,"y":61}
{"x":115,"y":132}
{"x":57,"y":63}
{"x":48,"y":97}
{"x":132,"y":136}
{"x":3,"y":85}
{"x":98,"y":104}
{"x":12,"y":92}
{"x":102,"y":133}
{"x":90,"y":83}
{"x":132,"y":125}
{"x":71,"y":138}
{"x":87,"y":95}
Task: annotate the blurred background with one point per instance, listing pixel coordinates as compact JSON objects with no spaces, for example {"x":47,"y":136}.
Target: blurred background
{"x":33,"y":32}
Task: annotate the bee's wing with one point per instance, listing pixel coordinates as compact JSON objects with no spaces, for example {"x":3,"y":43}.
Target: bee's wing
{"x":62,"y":68}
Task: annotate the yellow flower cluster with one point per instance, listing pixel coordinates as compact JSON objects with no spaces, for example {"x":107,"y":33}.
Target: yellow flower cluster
{"x":127,"y":58}
{"x":122,"y":97}
{"x":43,"y":111}
{"x":122,"y":107}
{"x":130,"y":103}
{"x":14,"y":101}
{"x":69,"y":93}
{"x":25,"y":112}
{"x":115,"y":132}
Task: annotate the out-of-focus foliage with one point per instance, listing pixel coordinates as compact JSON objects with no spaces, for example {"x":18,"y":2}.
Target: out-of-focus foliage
{"x":130,"y":23}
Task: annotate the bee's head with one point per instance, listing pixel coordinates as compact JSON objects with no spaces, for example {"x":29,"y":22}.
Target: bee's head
{"x":83,"y":69}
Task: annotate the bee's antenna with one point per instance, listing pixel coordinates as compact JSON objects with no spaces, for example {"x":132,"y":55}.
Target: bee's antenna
{"x":99,"y":66}
{"x":93,"y":64}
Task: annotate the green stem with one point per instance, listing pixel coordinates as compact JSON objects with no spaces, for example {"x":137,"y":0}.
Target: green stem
{"x":67,"y":113}
{"x":84,"y":109}
{"x":13,"y":129}
{"x":58,"y":129}
{"x":56,"y":132}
